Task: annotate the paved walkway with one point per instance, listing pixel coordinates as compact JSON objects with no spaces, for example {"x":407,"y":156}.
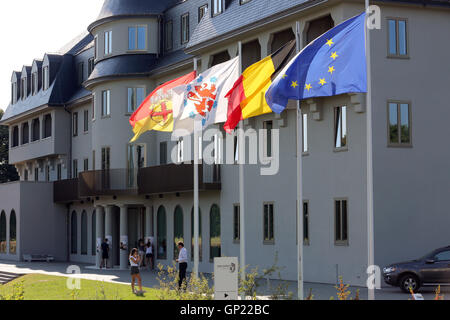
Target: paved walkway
{"x":319,"y":291}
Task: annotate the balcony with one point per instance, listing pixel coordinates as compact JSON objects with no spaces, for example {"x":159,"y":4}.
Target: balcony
{"x":112,"y":182}
{"x":177,"y":178}
{"x":65,"y":191}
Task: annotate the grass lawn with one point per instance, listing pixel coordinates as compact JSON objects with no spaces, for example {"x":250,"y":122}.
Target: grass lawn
{"x":45,"y":287}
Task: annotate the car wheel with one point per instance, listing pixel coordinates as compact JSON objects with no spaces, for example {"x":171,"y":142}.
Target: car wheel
{"x":409,"y":281}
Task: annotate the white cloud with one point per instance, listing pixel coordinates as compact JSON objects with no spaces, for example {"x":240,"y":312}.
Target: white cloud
{"x":30,"y":28}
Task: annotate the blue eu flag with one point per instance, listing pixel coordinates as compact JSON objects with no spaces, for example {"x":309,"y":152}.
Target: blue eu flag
{"x":335,"y":63}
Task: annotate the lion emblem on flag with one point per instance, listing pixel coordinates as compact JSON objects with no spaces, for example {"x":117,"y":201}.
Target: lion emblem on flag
{"x":204,"y":97}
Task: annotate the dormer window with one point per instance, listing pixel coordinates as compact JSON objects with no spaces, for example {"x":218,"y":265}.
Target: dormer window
{"x":137,"y":38}
{"x":80,"y":73}
{"x":34,"y":83}
{"x":218,"y":6}
{"x":45,"y":78}
{"x":202,"y":11}
{"x":14,"y":92}
{"x":23,"y":89}
{"x":185,"y":28}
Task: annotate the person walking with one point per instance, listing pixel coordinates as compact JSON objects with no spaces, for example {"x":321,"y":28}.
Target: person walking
{"x":105,"y":253}
{"x":182,"y":262}
{"x":149,"y":255}
{"x":135,"y":273}
{"x":141,"y":252}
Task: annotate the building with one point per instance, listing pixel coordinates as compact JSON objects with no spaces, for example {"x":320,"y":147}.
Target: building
{"x":81,"y":180}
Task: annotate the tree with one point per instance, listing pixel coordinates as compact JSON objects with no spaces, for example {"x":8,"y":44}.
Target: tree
{"x":7,"y":172}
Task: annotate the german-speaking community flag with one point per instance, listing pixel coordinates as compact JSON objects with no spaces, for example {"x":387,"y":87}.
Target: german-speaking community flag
{"x":156,"y":112}
{"x":247,"y":97}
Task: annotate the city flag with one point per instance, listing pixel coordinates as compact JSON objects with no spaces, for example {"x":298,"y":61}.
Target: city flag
{"x":333,"y":64}
{"x":204,"y":98}
{"x":156,"y":112}
{"x":247,"y":97}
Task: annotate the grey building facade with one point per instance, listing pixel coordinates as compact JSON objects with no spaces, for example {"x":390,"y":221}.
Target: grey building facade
{"x":82,"y":181}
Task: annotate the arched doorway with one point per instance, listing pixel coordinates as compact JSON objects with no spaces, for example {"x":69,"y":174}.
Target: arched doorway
{"x":215,"y":244}
{"x":73,"y":233}
{"x":178,"y":234}
{"x":161,"y":233}
{"x":3,"y":232}
{"x":84,"y":233}
{"x":12,"y":233}
{"x":93,"y":234}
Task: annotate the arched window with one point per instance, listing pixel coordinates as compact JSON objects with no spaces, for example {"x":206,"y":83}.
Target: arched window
{"x":73,"y":233}
{"x":84,"y":233}
{"x":12,"y":233}
{"x":3,"y":232}
{"x":161,"y":233}
{"x":93,"y":234}
{"x":178,"y":234}
{"x":214,"y":233}
{"x":281,"y":38}
{"x":318,"y":27}
{"x":25,"y":133}
{"x":219,"y":58}
{"x":15,"y":136}
{"x":47,"y":131}
{"x":199,"y":234}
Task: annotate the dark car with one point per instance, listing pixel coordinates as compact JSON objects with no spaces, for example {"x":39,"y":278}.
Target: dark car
{"x":432,"y":269}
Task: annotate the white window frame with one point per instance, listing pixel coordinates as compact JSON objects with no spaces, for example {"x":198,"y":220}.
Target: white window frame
{"x":106,"y":109}
{"x":185,"y":32}
{"x":136,"y":38}
{"x":135,"y":93}
{"x":218,"y":7}
{"x":107,"y":43}
{"x":269,"y":241}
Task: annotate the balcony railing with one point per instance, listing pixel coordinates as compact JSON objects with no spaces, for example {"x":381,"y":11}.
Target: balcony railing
{"x":65,"y":191}
{"x":108,"y":182}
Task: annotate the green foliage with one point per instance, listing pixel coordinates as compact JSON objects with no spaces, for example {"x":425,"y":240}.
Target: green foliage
{"x":7,"y":172}
{"x":18,"y":292}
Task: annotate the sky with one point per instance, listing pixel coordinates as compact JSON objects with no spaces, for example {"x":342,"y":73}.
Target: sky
{"x":30,"y":28}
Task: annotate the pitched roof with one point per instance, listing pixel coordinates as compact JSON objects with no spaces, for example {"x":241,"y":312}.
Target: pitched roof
{"x":240,"y":16}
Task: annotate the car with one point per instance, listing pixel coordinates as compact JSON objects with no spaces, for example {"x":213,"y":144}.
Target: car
{"x":432,"y":269}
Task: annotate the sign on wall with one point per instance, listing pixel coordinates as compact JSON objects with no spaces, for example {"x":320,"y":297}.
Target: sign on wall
{"x":226,"y":272}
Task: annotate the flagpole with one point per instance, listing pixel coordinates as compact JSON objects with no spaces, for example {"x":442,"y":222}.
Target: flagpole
{"x":299,"y":186}
{"x":196,"y":197}
{"x":369,"y":136}
{"x":241,"y":159}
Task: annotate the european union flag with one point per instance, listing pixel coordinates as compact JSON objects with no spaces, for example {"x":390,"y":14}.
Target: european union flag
{"x":335,"y":63}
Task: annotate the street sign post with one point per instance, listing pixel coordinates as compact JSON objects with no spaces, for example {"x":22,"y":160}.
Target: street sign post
{"x":226,"y":272}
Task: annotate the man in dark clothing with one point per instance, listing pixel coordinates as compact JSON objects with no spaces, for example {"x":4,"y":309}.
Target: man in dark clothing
{"x":105,"y":254}
{"x":182,"y":261}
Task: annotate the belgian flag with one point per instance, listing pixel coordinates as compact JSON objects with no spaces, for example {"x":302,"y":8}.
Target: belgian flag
{"x":247,"y":97}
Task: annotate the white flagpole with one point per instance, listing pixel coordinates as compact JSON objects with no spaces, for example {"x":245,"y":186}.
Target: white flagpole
{"x":369,"y":134}
{"x":299,"y":186}
{"x":241,"y":159}
{"x":196,"y":197}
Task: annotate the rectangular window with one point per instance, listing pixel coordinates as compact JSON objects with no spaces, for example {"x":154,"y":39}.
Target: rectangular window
{"x":108,"y":42}
{"x":47,"y":173}
{"x":75,"y":169}
{"x":268,"y":125}
{"x":236,"y":222}
{"x":185,"y":28}
{"x":202,"y":12}
{"x":86,"y":164}
{"x":93,"y":105}
{"x":217,"y":7}
{"x":135,"y":98}
{"x":80,"y":73}
{"x":45,"y":78}
{"x":305,"y":222}
{"x":59,"y":171}
{"x":268,"y":223}
{"x":86,"y":121}
{"x":75,"y":124}
{"x":36,"y":174}
{"x":399,"y":123}
{"x":91,"y":66}
{"x":180,"y":150}
{"x":96,"y":48}
{"x":305,"y":133}
{"x":340,"y":127}
{"x":106,"y":103}
{"x":137,"y":38}
{"x":14,"y":92}
{"x":169,"y":35}
{"x":341,"y":222}
{"x":163,"y":153}
{"x":397,"y":38}
{"x":106,"y":157}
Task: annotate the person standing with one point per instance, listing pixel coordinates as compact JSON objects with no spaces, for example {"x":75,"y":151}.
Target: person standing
{"x":182,"y":262}
{"x":135,"y":274}
{"x":141,"y":252}
{"x":105,"y":254}
{"x":149,"y":255}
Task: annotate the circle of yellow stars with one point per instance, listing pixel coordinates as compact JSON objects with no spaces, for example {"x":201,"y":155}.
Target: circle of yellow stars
{"x":322,"y":81}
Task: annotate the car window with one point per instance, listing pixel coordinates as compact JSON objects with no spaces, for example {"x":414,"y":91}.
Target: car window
{"x":443,"y":256}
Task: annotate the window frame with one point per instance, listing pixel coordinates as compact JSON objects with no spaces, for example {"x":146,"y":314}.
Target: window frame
{"x":34,"y":83}
{"x":106,"y":113}
{"x":397,"y":39}
{"x":341,"y":241}
{"x":136,"y":38}
{"x":107,"y":43}
{"x":335,"y":130}
{"x":200,"y":9}
{"x":272,"y":240}
{"x":91,"y":66}
{"x":399,"y":144}
{"x":106,"y":155}
{"x":14,"y":92}
{"x":237,"y":222}
{"x":45,"y":78}
{"x":75,"y":171}
{"x":268,"y":134}
{"x":306,"y":224}
{"x":135,"y":92}
{"x":168,"y":44}
{"x":213,"y":6}
{"x":75,"y":124}
{"x":183,"y":16}
{"x":86,"y":121}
